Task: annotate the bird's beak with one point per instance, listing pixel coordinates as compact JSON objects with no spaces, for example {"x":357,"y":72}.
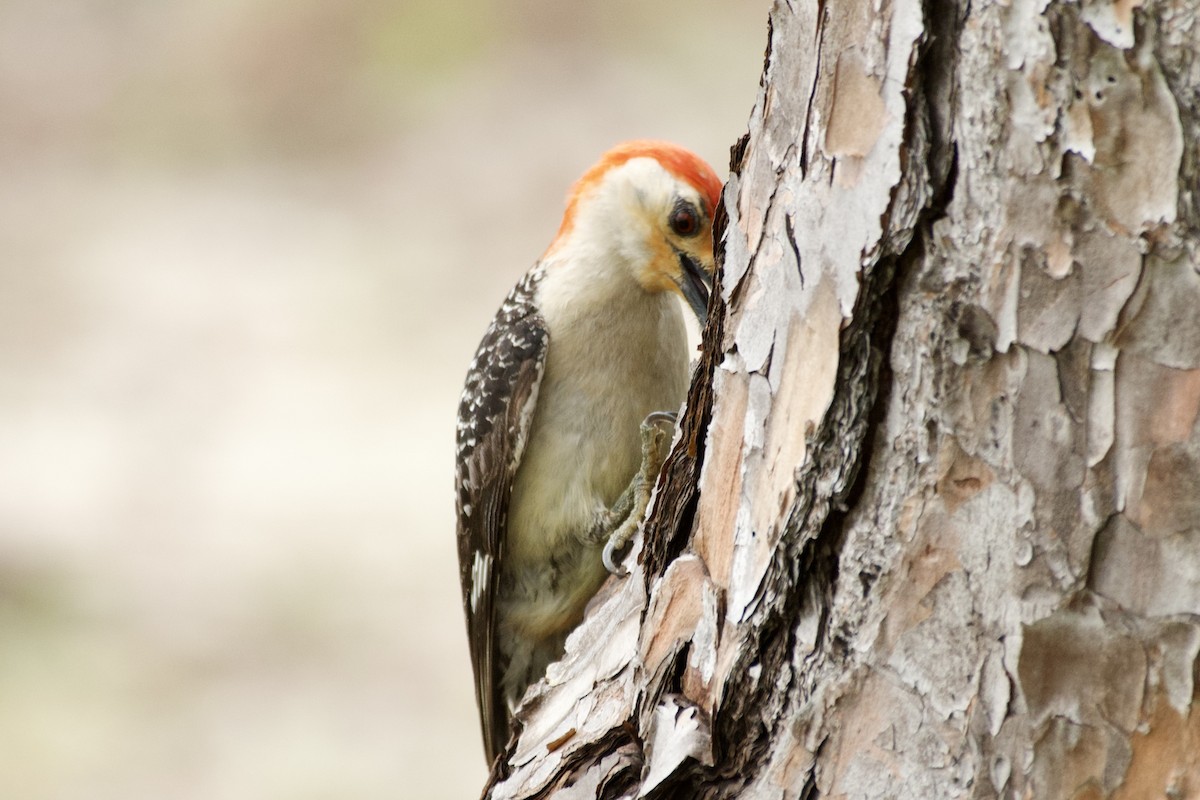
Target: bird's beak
{"x":694,"y":283}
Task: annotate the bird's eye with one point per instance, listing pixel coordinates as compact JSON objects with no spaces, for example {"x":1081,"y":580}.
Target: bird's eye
{"x":684,"y":219}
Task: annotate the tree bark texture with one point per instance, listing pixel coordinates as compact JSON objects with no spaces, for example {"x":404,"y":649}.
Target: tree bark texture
{"x":931,"y":523}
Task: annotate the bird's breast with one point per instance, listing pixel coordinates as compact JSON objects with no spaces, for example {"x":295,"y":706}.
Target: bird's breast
{"x":604,"y":373}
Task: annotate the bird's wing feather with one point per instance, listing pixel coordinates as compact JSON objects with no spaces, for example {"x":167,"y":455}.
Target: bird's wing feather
{"x":494,"y":419}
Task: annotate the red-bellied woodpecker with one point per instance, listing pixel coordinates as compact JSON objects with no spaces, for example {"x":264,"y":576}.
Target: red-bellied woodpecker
{"x":556,"y":446}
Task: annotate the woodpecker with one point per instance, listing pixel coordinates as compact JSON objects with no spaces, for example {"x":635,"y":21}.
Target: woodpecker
{"x":557,"y":442}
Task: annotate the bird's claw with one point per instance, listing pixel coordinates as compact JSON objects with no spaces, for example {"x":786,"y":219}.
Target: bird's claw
{"x":652,"y":440}
{"x":643,"y":484}
{"x":655,"y":417}
{"x":610,"y":549}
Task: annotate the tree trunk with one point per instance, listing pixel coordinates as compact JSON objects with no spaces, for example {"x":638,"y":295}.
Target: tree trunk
{"x":931,"y":525}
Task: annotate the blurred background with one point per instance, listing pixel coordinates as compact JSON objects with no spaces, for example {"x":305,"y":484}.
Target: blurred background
{"x":247,"y":248}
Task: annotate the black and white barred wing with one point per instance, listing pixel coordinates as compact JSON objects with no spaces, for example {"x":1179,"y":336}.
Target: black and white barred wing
{"x":494,"y":418}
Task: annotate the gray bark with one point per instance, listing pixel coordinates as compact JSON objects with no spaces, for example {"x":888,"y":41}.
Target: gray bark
{"x":931,"y":524}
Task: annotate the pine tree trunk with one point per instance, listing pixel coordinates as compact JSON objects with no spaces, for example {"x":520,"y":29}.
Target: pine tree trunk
{"x":931,"y":526}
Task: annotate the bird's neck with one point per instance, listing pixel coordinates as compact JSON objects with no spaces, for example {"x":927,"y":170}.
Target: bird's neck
{"x":597,"y":281}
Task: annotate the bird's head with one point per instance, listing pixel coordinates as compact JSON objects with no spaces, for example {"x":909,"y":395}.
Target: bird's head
{"x":647,"y":207}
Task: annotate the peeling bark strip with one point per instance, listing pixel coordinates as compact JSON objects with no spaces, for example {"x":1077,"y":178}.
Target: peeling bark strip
{"x":931,"y":525}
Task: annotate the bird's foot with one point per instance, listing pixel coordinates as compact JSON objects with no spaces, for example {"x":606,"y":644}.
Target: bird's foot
{"x":631,"y":507}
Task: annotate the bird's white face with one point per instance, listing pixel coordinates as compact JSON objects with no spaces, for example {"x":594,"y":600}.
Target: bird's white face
{"x":677,"y":229}
{"x":667,"y":230}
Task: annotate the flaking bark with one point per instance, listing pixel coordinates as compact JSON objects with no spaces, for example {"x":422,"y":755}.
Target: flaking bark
{"x":931,"y":524}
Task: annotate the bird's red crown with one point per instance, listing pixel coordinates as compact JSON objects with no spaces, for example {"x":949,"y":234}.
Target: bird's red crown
{"x":679,"y":161}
